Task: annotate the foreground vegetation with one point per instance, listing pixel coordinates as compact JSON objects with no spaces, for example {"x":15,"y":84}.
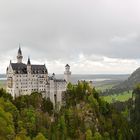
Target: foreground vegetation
{"x":85,"y":116}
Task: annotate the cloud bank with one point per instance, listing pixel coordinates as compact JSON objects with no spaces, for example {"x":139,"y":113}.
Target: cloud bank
{"x":92,"y":36}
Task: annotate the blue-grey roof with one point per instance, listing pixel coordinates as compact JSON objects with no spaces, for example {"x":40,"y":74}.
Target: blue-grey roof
{"x":56,"y":80}
{"x":19,"y":51}
{"x":28,"y":62}
{"x":67,"y":65}
{"x":59,"y":80}
{"x":21,"y":68}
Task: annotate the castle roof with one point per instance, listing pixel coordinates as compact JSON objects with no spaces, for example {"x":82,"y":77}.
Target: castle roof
{"x":28,"y":62}
{"x":19,"y":51}
{"x":56,"y":80}
{"x":59,"y":80}
{"x":21,"y":68}
{"x":67,"y":65}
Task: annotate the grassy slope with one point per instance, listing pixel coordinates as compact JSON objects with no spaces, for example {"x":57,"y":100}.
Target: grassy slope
{"x":120,"y":97}
{"x":104,"y":87}
{"x":2,"y":84}
{"x":112,"y":98}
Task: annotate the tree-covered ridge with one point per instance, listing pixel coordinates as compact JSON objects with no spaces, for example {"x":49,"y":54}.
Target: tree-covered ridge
{"x":126,"y":85}
{"x":93,"y":115}
{"x":26,"y":117}
{"x":84,"y":116}
{"x":135,"y":113}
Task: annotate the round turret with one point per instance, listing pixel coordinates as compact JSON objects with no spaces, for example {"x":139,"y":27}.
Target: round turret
{"x":67,"y":73}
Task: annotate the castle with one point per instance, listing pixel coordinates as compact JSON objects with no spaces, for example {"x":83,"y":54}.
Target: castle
{"x":23,"y":79}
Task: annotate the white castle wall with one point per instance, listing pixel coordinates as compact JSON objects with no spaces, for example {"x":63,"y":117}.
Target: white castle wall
{"x":25,"y":84}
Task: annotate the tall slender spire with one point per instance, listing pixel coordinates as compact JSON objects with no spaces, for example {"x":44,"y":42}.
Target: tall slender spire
{"x":28,"y":62}
{"x":19,"y":55}
{"x":19,"y":50}
{"x":29,"y":66}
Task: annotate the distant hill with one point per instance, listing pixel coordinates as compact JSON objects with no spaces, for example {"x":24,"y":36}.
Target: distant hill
{"x":128,"y":84}
{"x":98,"y":79}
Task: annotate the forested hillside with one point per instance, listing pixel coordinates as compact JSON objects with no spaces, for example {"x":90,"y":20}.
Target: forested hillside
{"x":125,"y":86}
{"x":131,"y":82}
{"x":85,"y":116}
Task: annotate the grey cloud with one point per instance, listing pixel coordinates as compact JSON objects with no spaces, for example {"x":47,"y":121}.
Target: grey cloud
{"x":52,"y":30}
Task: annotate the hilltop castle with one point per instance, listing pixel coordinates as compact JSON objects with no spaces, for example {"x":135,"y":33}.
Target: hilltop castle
{"x":23,"y":79}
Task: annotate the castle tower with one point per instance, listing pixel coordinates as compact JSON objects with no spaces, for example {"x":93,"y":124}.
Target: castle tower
{"x":29,"y":66}
{"x":19,"y":55}
{"x":29,"y":76}
{"x":67,"y":73}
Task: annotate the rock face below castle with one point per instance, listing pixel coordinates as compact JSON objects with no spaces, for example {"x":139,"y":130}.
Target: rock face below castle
{"x":23,"y":79}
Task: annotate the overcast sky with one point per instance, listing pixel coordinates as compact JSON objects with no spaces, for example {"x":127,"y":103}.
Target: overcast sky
{"x":92,"y":36}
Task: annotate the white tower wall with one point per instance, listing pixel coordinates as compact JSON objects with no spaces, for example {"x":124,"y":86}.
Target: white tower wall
{"x":67,"y":74}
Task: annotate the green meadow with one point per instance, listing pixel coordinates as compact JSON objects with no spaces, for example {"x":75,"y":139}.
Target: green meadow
{"x":2,"y":84}
{"x":118,"y":97}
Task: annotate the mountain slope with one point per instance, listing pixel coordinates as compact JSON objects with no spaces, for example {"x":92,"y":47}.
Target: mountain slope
{"x":130,"y":83}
